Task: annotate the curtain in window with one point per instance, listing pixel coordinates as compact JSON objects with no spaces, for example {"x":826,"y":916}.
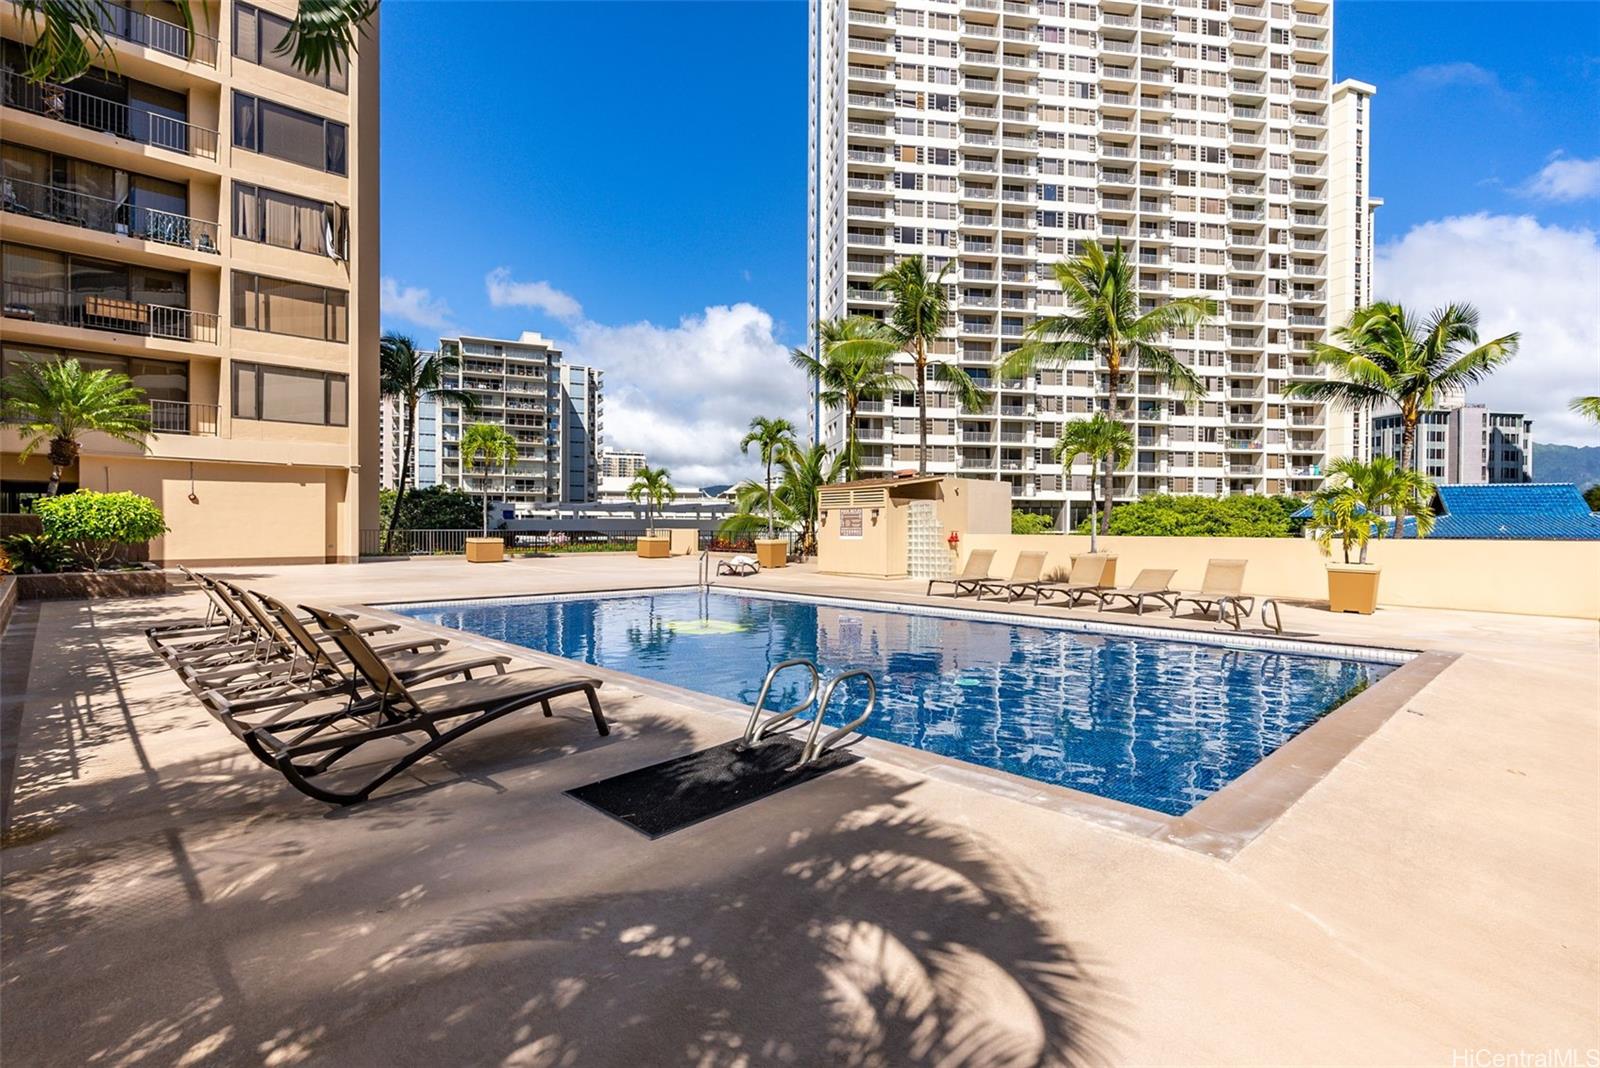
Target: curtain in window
{"x":293,"y":396}
{"x":292,"y":308}
{"x":246,"y":212}
{"x":246,"y":311}
{"x":244,"y":391}
{"x":280,"y":225}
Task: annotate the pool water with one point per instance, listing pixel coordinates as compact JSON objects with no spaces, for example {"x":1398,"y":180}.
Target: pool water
{"x":1153,"y":722}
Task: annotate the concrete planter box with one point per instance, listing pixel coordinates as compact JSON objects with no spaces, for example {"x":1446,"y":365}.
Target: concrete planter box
{"x":772,"y":552}
{"x":485,"y":550}
{"x":82,"y":585}
{"x":655,"y":547}
{"x":1353,"y":588}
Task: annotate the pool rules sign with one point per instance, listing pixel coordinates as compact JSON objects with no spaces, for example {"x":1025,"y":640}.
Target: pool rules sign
{"x":850,"y":523}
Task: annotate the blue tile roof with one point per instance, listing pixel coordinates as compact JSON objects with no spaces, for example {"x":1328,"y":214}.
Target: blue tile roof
{"x":1552,"y":511}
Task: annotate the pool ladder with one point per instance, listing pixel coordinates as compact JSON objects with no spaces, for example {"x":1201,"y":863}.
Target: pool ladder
{"x":757,"y":729}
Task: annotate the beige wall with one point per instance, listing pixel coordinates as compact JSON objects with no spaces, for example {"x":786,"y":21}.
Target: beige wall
{"x":1554,"y":578}
{"x":965,"y":505}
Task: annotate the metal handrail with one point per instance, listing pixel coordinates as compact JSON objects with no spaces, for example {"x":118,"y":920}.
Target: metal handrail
{"x":95,"y":312}
{"x":159,"y":34}
{"x":754,"y":732}
{"x":813,"y":749}
{"x":77,"y":108}
{"x":105,"y":215}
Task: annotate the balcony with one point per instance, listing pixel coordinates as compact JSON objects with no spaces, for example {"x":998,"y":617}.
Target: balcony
{"x":158,"y":34}
{"x":60,"y":307}
{"x":67,"y":206}
{"x":76,"y":108}
{"x":183,"y":417}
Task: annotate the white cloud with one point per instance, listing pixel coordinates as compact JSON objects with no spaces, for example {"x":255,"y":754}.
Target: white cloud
{"x":1566,"y":179}
{"x":413,"y":304}
{"x":1542,"y":281}
{"x":504,"y":292}
{"x":685,"y":394}
{"x":1456,"y":76}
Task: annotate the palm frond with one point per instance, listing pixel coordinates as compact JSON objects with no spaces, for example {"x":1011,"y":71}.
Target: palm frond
{"x":323,"y":34}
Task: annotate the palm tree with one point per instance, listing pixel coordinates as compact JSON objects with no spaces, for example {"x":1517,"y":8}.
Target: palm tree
{"x":1099,"y":437}
{"x":1588,"y":407}
{"x":412,"y":377}
{"x":1385,"y":355}
{"x":771,"y":437}
{"x":72,"y":34}
{"x":653,"y":486}
{"x":921,"y":308}
{"x":1358,"y":493}
{"x":488,"y":446}
{"x":58,"y":401}
{"x":857,"y":365}
{"x":804,"y":471}
{"x":1104,"y":321}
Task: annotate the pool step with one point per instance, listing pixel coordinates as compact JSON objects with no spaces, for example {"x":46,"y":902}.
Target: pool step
{"x":756,"y":729}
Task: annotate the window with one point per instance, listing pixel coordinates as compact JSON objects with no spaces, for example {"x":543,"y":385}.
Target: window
{"x":160,"y":379}
{"x":286,"y":221}
{"x":289,"y":395}
{"x":299,"y":309}
{"x":287,"y":134}
{"x":256,"y":37}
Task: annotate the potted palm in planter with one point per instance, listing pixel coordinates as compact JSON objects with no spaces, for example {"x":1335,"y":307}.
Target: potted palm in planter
{"x":772,"y":437}
{"x":487,"y":446}
{"x":652,"y":487}
{"x":1350,"y":510}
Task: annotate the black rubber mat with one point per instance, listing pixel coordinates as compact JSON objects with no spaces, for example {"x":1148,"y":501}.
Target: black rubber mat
{"x":676,"y":793}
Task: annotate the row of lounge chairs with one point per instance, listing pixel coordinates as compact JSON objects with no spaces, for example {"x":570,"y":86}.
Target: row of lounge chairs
{"x":1221,"y":591}
{"x":307,"y":693}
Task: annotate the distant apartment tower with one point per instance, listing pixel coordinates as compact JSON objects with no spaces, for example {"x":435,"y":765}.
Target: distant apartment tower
{"x":424,"y":445}
{"x":1352,"y":225}
{"x":197,"y":214}
{"x":517,"y":385}
{"x":583,"y":420}
{"x":997,"y":138}
{"x":620,"y":463}
{"x":1467,"y":444}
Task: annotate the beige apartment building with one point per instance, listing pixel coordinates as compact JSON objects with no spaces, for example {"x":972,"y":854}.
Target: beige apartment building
{"x":997,"y":136}
{"x":517,"y":385}
{"x":201,"y":216}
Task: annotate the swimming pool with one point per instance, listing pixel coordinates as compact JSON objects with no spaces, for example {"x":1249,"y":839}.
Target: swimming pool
{"x":1156,"y":722}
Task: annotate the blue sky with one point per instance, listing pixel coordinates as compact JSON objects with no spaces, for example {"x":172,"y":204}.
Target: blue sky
{"x":629,"y":178}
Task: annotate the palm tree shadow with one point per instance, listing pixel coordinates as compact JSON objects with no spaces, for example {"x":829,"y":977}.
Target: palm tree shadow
{"x":879,"y":937}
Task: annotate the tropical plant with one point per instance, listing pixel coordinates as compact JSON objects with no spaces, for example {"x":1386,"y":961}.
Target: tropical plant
{"x":1591,"y":497}
{"x":56,"y":402}
{"x":1588,"y":407}
{"x":487,"y":446}
{"x":1352,"y":505}
{"x":1385,"y":355}
{"x":430,"y":508}
{"x":1104,"y":322}
{"x":96,"y":525}
{"x":412,"y":376}
{"x":920,"y":309}
{"x":804,"y":471}
{"x":73,"y":34}
{"x":1104,"y":441}
{"x":653,"y":487}
{"x":36,"y":554}
{"x":1031,"y":522}
{"x":771,"y":437}
{"x":1186,"y":516}
{"x":857,"y":365}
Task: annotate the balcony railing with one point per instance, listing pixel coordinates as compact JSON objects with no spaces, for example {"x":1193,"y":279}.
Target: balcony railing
{"x":91,"y":112}
{"x":158,"y":34}
{"x":94,"y":312}
{"x":183,"y":417}
{"x":107,"y":216}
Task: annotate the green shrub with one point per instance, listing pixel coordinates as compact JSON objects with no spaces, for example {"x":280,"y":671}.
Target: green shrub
{"x":97,"y":524}
{"x":1031,"y":522}
{"x":1591,"y":496}
{"x":36,"y":554}
{"x":434,"y":508}
{"x":1203,"y":517}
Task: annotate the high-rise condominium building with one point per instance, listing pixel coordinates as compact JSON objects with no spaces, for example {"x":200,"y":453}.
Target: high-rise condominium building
{"x":517,"y":385}
{"x":1462,"y":444}
{"x":197,"y":214}
{"x":995,"y":137}
{"x":621,"y":463}
{"x":583,"y":420}
{"x":1352,"y":211}
{"x":424,"y":443}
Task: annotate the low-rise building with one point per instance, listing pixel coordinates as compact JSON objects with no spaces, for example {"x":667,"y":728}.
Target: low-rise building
{"x":620,"y":463}
{"x":1464,"y":444}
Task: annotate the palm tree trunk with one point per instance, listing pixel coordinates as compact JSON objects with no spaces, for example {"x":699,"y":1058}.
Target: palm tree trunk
{"x":1408,"y":445}
{"x":770,"y":535}
{"x":1094,"y":508}
{"x":486,"y":502}
{"x":405,"y":475}
{"x":852,"y":469}
{"x":1115,"y":365}
{"x":922,"y":410}
{"x":55,"y":480}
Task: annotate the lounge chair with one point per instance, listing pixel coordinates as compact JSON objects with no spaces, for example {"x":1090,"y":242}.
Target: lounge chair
{"x":1221,"y":589}
{"x":1023,"y":581}
{"x":974,"y":574}
{"x":309,"y":749}
{"x":1152,"y":583}
{"x":738,"y":565}
{"x":1086,"y":577}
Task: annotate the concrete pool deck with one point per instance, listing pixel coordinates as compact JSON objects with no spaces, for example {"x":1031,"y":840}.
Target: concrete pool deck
{"x":167,"y":899}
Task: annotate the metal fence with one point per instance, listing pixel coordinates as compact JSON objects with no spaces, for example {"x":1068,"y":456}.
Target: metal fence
{"x":448,"y":542}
